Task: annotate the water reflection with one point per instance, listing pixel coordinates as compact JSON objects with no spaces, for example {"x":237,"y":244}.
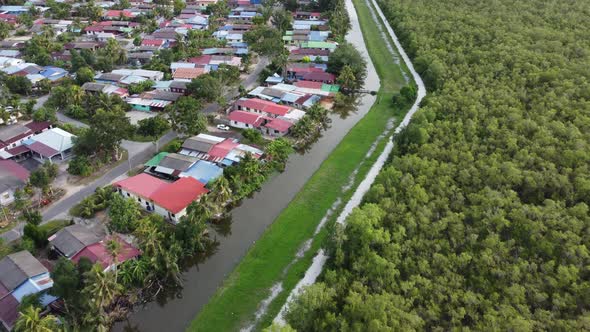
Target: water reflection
{"x":222,"y":226}
{"x":344,"y":105}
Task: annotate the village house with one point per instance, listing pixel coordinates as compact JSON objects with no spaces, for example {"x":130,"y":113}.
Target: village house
{"x":303,"y":15}
{"x":98,"y":253}
{"x":21,"y":274}
{"x":203,"y":171}
{"x":219,"y":150}
{"x":12,"y":177}
{"x":70,"y":240}
{"x":109,"y":89}
{"x":172,"y":86}
{"x":169,"y":200}
{"x":155,"y":100}
{"x":153,"y":75}
{"x":49,"y":144}
{"x":187,"y":74}
{"x":246,"y":120}
{"x":139,"y":58}
{"x":263,"y":107}
{"x":309,"y":24}
{"x":277,"y":127}
{"x":172,"y":164}
{"x":119,"y":14}
{"x":319,"y":45}
{"x":13,"y":136}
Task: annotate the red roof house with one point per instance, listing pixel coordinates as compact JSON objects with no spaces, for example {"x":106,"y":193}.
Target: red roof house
{"x":143,"y":185}
{"x":152,"y":42}
{"x":220,"y":150}
{"x":118,"y":13}
{"x":201,"y":60}
{"x":243,"y":119}
{"x":99,"y":253}
{"x":309,"y":85}
{"x":176,"y":197}
{"x":187,"y":73}
{"x":319,"y":77}
{"x":278,"y":127}
{"x":15,"y":169}
{"x":8,"y":310}
{"x":169,"y":200}
{"x":262,"y":106}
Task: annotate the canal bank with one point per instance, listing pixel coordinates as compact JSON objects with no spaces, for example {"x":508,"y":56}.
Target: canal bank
{"x":255,"y":291}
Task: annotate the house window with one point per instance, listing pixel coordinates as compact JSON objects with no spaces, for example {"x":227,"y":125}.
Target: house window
{"x":139,"y":199}
{"x":128,"y":195}
{"x":276,"y":131}
{"x":173,"y":215}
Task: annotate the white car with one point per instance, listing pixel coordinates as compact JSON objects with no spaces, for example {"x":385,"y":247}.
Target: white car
{"x":222,"y":127}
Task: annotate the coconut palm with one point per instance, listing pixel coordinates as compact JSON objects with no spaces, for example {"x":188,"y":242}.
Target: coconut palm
{"x":76,"y":94}
{"x":101,"y":287}
{"x":220,"y":193}
{"x":114,"y":247}
{"x":30,"y":320}
{"x":149,"y":237}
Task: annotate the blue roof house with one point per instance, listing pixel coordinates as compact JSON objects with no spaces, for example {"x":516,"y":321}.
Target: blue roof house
{"x":14,"y":10}
{"x":53,"y":73}
{"x":203,"y":171}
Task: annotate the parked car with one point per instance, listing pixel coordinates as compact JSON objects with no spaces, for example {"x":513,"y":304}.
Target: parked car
{"x":222,"y":127}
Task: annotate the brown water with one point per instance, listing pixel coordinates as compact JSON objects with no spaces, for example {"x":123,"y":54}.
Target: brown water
{"x":248,"y":222}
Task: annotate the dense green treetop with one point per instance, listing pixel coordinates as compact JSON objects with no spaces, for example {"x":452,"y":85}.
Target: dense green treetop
{"x":481,"y":220}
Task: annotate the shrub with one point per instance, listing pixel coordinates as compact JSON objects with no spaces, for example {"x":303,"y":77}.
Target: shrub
{"x":80,"y":165}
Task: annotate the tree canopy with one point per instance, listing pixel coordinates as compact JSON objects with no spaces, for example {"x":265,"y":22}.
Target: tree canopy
{"x":481,"y":219}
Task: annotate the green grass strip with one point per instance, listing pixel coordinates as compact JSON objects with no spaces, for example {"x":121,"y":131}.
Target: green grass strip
{"x":236,"y":302}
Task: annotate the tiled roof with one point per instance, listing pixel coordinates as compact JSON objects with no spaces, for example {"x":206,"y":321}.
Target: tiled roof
{"x":280,"y":125}
{"x":142,"y":184}
{"x":15,"y":169}
{"x":246,"y":117}
{"x":263,"y":105}
{"x":71,"y":239}
{"x":220,"y":150}
{"x":18,"y":267}
{"x":37,"y":126}
{"x":42,"y":149}
{"x":188,"y":73}
{"x":177,"y":196}
{"x":99,"y":253}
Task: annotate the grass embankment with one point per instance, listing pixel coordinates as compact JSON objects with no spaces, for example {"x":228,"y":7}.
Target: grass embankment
{"x":236,"y":302}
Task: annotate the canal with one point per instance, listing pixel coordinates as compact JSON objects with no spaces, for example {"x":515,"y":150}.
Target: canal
{"x":249,"y":220}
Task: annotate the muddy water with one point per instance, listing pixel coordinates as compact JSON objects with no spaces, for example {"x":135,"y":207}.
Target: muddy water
{"x":248,"y":223}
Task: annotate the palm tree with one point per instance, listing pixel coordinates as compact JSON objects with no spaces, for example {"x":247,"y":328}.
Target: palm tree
{"x":281,"y":60}
{"x":167,"y":263}
{"x":114,"y":247}
{"x":220,"y":193}
{"x":149,"y":237}
{"x":101,"y":287}
{"x":30,"y":320}
{"x":76,"y":94}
